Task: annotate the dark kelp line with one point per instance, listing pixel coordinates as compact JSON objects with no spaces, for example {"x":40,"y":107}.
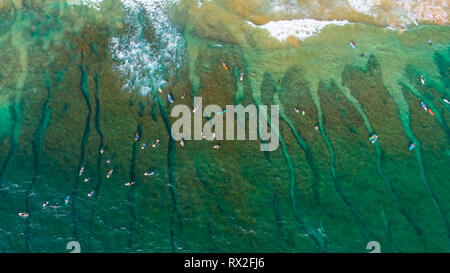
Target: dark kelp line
{"x":84,"y":142}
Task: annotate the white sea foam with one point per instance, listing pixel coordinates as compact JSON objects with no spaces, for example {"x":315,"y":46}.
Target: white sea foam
{"x":299,"y":28}
{"x":363,"y":6}
{"x":90,"y":3}
{"x":146,"y":65}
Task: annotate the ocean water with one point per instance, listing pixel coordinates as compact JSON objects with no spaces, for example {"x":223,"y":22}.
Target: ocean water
{"x":83,"y":76}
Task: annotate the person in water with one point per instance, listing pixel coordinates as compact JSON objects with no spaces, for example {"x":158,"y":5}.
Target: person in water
{"x":109,"y":173}
{"x":149,"y":173}
{"x":24,"y":214}
{"x":156,"y":143}
{"x":81,"y":171}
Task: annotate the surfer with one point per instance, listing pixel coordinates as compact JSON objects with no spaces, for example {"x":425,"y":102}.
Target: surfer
{"x":143,"y":146}
{"x":184,"y":95}
{"x":155,"y":143}
{"x":45,"y":204}
{"x":297,"y":110}
{"x":225,"y":66}
{"x":182,"y":143}
{"x":81,"y":171}
{"x":136,"y":138}
{"x":411,"y":146}
{"x":423,"y":106}
{"x":24,"y":214}
{"x":108,"y":161}
{"x":66,"y":201}
{"x":169,"y":97}
{"x":149,"y":173}
{"x":422,"y":80}
{"x":109,"y":173}
{"x":87,"y":179}
{"x":217,"y":146}
{"x":446,"y":100}
{"x":316,"y":127}
{"x":241,"y":77}
{"x":102,"y":150}
{"x":90,"y":194}
{"x":353,"y":45}
{"x":373,"y":138}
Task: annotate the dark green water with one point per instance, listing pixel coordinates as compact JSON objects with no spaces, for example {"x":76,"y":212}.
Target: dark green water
{"x":62,"y":100}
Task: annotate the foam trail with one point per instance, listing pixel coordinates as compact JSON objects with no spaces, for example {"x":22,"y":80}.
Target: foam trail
{"x":316,"y":99}
{"x":254,"y":82}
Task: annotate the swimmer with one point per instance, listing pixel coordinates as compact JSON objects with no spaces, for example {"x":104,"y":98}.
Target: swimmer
{"x":241,"y":77}
{"x":81,"y":171}
{"x":303,"y":112}
{"x":217,"y":146}
{"x":109,"y":173}
{"x":183,"y":96}
{"x":108,"y":161}
{"x":422,"y":79}
{"x":155,"y":143}
{"x":102,"y":151}
{"x":66,"y":201}
{"x":195,"y":109}
{"x":182,"y":143}
{"x":90,"y":194}
{"x":55,"y":206}
{"x":130,"y":183}
{"x":149,"y":173}
{"x":87,"y":179}
{"x":143,"y":146}
{"x":136,"y":138}
{"x":170,"y":98}
{"x":44,"y":204}
{"x":24,"y":214}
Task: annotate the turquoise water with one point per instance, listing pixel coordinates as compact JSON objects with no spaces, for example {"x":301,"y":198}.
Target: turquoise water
{"x":76,"y":80}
